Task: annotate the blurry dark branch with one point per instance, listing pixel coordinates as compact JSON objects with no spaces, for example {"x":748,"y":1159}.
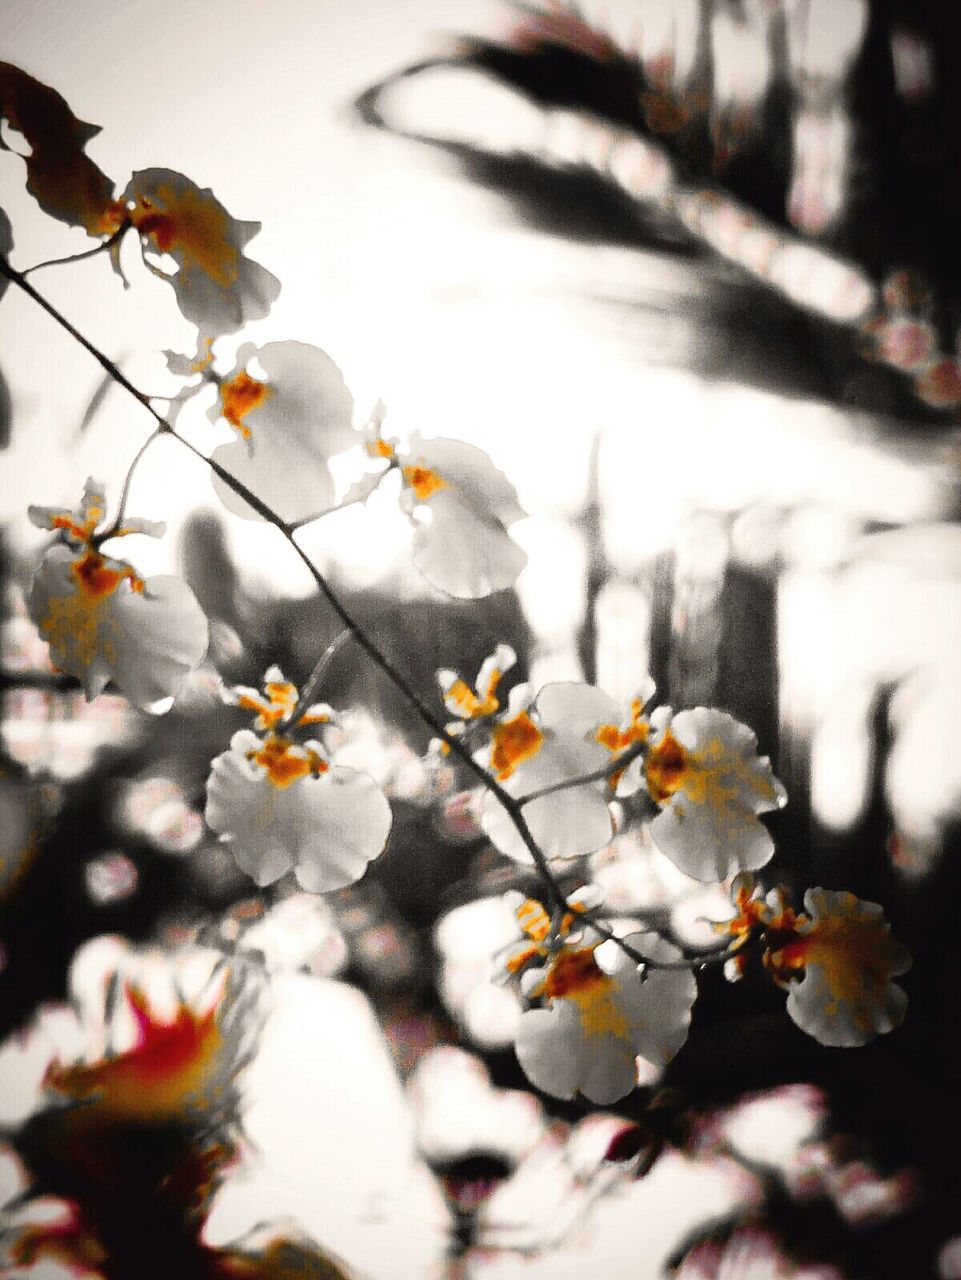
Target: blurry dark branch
{"x":45,"y":681}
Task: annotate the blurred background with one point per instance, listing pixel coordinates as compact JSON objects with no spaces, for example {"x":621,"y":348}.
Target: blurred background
{"x":687,"y":270}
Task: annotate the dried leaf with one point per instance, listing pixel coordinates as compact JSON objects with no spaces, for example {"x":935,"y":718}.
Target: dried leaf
{"x":63,"y":180}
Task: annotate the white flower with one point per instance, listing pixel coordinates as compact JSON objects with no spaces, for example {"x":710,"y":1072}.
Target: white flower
{"x":704,"y":772}
{"x":554,"y":741}
{"x":218,"y":288}
{"x":601,"y":1012}
{"x":287,"y":427}
{"x":103,"y":622}
{"x":844,"y":948}
{"x":281,"y":804}
{"x":464,"y":549}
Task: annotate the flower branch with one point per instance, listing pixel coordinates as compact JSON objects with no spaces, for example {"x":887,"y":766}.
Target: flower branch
{"x":287,"y":529}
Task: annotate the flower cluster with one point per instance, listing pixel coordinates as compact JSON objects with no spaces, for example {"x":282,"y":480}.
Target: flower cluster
{"x":566,"y":753}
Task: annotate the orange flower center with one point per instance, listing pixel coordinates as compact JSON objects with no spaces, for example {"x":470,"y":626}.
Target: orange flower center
{"x":424,"y":482}
{"x":238,"y":396}
{"x":574,"y":972}
{"x":191,"y":224}
{"x":97,"y":579}
{"x":514,"y":742}
{"x":286,"y":763}
{"x":667,"y":765}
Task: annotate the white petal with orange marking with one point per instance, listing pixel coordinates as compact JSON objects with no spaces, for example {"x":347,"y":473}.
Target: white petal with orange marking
{"x":327,"y":827}
{"x":572,"y":821}
{"x":147,"y":641}
{"x":710,"y":792}
{"x":600,"y":1014}
{"x":288,"y":427}
{"x":217,"y":288}
{"x":846,"y":996}
{"x":465,"y":549}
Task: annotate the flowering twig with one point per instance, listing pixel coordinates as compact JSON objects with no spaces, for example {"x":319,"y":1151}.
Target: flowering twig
{"x":288,"y":529}
{"x":512,"y":805}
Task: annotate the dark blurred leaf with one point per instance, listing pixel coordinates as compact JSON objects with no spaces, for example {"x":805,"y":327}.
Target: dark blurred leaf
{"x":98,"y":397}
{"x":6,"y":412}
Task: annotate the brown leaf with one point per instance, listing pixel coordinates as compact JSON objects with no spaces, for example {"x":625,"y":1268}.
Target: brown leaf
{"x":64,"y":180}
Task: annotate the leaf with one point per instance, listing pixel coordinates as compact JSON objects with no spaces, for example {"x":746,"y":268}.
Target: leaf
{"x":63,"y":180}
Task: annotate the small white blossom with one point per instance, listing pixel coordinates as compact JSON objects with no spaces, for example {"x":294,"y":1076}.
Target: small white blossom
{"x":464,"y":548}
{"x":550,"y":742}
{"x":288,"y":424}
{"x":218,"y":288}
{"x":704,"y":773}
{"x":281,"y":804}
{"x":103,"y":622}
{"x":600,"y":1012}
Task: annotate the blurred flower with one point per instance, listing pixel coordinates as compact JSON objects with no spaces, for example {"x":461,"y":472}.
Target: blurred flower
{"x":844,"y":952}
{"x":468,"y":939}
{"x":463,"y":548}
{"x":472,"y":1134}
{"x":218,"y":289}
{"x":287,"y":425}
{"x":111,"y":877}
{"x":299,"y":932}
{"x":939,"y":384}
{"x":101,"y":620}
{"x":704,"y":773}
{"x":155,"y":808}
{"x":749,"y":1253}
{"x":281,"y":804}
{"x":905,"y":343}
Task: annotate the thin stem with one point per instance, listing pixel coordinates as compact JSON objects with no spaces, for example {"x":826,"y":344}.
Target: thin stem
{"x":617,"y":765}
{"x":117,"y":524}
{"x":266,"y":513}
{"x":104,"y":247}
{"x":694,"y":962}
{"x":308,"y":692}
{"x":361,"y":495}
